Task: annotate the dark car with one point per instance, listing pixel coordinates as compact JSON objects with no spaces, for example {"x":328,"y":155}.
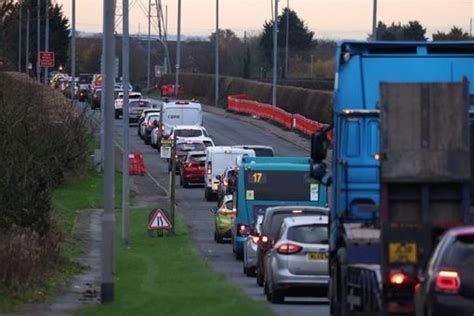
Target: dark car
{"x":151,"y":122}
{"x":82,"y":95}
{"x":192,"y":169}
{"x":141,"y":120}
{"x":271,"y":224}
{"x":183,"y":146}
{"x":447,"y":286}
{"x":227,"y":183}
{"x":95,"y":99}
{"x":135,"y":109}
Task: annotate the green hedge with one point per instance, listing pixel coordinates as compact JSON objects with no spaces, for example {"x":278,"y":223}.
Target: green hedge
{"x":313,"y":104}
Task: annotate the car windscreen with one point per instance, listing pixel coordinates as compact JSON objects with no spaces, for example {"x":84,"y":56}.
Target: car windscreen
{"x":134,"y":96}
{"x":460,"y":253}
{"x":188,"y":133}
{"x":263,"y":152}
{"x":281,"y":185}
{"x":139,"y":104}
{"x":190,"y":147}
{"x":309,"y":234}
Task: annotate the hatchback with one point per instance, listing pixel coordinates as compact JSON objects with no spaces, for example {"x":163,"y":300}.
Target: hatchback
{"x":297,"y":265}
{"x":250,"y":248}
{"x":447,"y":286}
{"x":224,"y":215}
{"x":192,"y":169}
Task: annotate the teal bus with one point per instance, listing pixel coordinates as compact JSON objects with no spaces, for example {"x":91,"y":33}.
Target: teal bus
{"x":264,"y":182}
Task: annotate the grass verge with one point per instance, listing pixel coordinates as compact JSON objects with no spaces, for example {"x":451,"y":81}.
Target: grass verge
{"x":68,"y":200}
{"x":167,"y":276}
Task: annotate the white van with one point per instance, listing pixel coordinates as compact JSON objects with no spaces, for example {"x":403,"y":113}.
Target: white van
{"x":219,"y":158}
{"x":174,"y":113}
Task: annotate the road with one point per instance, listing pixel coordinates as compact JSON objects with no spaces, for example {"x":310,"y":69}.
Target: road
{"x":197,"y":211}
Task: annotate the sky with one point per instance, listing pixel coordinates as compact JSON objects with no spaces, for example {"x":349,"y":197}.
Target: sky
{"x":329,"y":19}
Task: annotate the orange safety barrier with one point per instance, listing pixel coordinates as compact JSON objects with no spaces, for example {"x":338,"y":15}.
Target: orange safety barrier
{"x":136,"y":164}
{"x":168,"y":90}
{"x":240,"y":104}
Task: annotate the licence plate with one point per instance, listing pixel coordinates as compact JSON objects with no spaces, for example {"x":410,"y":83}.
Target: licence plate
{"x":402,"y":252}
{"x":165,"y":152}
{"x":316,"y":256}
{"x":215,"y":186}
{"x":166,"y":141}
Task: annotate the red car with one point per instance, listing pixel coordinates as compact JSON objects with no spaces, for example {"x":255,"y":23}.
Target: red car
{"x":192,"y":168}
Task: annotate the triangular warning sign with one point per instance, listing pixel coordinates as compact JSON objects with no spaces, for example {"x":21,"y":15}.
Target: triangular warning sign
{"x":159,"y":220}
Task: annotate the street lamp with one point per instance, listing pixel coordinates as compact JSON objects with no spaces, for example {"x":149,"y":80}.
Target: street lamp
{"x":275,"y":52}
{"x":374,"y":22}
{"x":217,"y":54}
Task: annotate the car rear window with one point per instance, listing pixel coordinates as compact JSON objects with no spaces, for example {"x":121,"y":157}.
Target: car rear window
{"x":190,"y":147}
{"x":141,"y":104}
{"x":460,"y":252}
{"x":309,"y":234}
{"x":153,"y":118}
{"x":188,"y":133}
{"x":276,"y":220}
{"x":263,"y":152}
{"x":198,"y":158}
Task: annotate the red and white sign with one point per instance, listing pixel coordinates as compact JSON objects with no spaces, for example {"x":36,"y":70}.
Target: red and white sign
{"x":159,"y":221}
{"x":46,"y":59}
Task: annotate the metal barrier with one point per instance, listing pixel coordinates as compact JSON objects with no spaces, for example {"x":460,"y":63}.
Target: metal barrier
{"x":168,"y":90}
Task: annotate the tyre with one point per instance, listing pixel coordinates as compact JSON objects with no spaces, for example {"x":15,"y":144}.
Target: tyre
{"x":147,"y":141}
{"x":185,"y":184}
{"x":260,"y":273}
{"x":238,"y":255}
{"x":250,"y":272}
{"x":275,"y":296}
{"x":180,"y":181}
{"x":207,"y":194}
{"x":340,"y":307}
{"x":116,"y":115}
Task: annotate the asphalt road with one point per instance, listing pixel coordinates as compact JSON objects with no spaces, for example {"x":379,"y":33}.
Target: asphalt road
{"x":197,"y":211}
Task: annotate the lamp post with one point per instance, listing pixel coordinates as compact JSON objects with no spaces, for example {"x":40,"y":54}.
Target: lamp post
{"x":217,"y":55}
{"x":178,"y":50}
{"x":374,"y":22}
{"x":275,"y":53}
{"x":73,"y":49}
{"x":286,"y":40}
{"x":126,"y":149}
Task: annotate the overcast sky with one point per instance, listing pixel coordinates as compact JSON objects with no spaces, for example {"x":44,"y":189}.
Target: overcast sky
{"x":335,"y":19}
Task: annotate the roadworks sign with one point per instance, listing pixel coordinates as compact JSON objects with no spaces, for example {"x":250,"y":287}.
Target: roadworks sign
{"x":159,"y":220}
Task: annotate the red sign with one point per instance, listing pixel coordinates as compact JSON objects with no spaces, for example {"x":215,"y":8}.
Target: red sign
{"x":46,"y":59}
{"x":159,"y":220}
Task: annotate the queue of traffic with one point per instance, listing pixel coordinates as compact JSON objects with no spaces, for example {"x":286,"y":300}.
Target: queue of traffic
{"x":271,"y":212}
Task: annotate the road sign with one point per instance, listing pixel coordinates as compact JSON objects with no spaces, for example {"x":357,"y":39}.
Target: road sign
{"x":46,"y":59}
{"x":159,"y":221}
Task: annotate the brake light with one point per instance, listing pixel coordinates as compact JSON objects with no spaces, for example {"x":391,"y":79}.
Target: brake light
{"x":264,"y":239}
{"x":209,"y":168}
{"x":226,"y":182}
{"x":234,"y":212}
{"x":254,"y":239}
{"x":222,"y":212}
{"x":289,"y":249}
{"x":448,"y":282}
{"x":243,"y":230}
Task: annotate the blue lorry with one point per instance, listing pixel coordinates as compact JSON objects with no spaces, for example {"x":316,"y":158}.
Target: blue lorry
{"x":400,"y":166}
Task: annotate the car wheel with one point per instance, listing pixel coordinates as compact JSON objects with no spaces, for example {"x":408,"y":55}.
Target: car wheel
{"x":185,"y":184}
{"x":250,"y":272}
{"x":116,"y":115}
{"x":180,"y":181}
{"x":276,"y":296}
{"x":260,"y":276}
{"x":147,"y":141}
{"x":238,"y":255}
{"x":207,"y":195}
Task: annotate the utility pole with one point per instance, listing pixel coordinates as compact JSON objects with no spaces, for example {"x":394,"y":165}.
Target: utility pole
{"x":20,"y":13}
{"x":46,"y":39}
{"x":27,"y":55}
{"x":126,"y":149}
{"x":73,"y":49}
{"x":108,"y":218}
{"x":275,"y":53}
{"x":374,"y":22}
{"x":286,"y":40}
{"x":178,"y":50}
{"x":217,"y":55}
{"x":38,"y":40}
{"x":470,"y":27}
{"x":173,"y":185}
{"x":149,"y":47}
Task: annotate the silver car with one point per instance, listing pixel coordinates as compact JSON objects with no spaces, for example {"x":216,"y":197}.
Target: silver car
{"x":250,"y":248}
{"x":297,"y":265}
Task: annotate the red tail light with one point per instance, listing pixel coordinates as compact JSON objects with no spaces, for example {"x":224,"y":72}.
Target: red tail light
{"x":289,"y":249}
{"x":448,"y":282}
{"x":209,"y":168}
{"x":225,"y":182}
{"x":243,"y":230}
{"x":254,"y":239}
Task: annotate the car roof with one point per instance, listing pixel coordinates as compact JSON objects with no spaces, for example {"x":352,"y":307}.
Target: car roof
{"x":305,"y":220}
{"x":287,"y":209}
{"x":461,"y":230}
{"x":188,"y":140}
{"x":253,"y":146}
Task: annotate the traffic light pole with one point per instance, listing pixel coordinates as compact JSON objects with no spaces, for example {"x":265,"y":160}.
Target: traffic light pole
{"x":173,"y":187}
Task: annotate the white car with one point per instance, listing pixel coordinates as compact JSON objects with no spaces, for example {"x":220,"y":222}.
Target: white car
{"x":119,"y":101}
{"x":188,"y":131}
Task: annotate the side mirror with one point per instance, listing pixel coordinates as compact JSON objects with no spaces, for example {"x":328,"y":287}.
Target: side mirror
{"x":218,"y":177}
{"x":318,"y":170}
{"x":214,"y":210}
{"x":319,"y":146}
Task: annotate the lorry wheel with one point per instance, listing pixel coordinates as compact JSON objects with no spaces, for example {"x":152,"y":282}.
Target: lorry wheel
{"x":260,"y":277}
{"x":341,"y":282}
{"x":207,"y":194}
